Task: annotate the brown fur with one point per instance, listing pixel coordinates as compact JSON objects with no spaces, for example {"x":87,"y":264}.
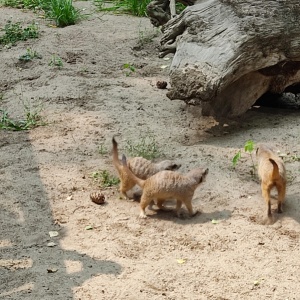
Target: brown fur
{"x":140,"y":167}
{"x":272,"y":173}
{"x":168,"y":185}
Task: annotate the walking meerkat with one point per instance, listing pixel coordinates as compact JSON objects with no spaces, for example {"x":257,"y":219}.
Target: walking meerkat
{"x":272,"y":173}
{"x":140,"y":167}
{"x":168,"y":185}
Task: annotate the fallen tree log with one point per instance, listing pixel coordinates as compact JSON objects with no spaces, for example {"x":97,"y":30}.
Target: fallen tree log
{"x":159,"y":11}
{"x":230,"y":52}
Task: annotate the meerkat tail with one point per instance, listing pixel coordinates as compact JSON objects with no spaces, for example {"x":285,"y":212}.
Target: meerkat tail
{"x":276,"y":173}
{"x":115,"y":154}
{"x":138,"y":181}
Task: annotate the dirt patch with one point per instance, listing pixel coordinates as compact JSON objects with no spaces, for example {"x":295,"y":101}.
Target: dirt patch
{"x":45,"y":178}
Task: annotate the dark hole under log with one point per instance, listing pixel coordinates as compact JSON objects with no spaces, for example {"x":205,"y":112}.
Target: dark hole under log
{"x":289,"y":99}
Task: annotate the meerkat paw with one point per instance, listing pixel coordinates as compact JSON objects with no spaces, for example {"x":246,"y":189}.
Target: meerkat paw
{"x":195,"y":213}
{"x":189,"y":216}
{"x":269,"y":220}
{"x":279,"y":209}
{"x":123,"y":196}
{"x":179,"y":214}
{"x":143,"y":215}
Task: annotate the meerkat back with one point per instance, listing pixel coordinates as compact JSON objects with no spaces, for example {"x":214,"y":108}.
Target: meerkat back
{"x":141,"y":167}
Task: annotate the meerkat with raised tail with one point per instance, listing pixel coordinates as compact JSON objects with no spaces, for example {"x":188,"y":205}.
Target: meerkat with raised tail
{"x":272,"y":173}
{"x":168,"y":185}
{"x":140,"y":167}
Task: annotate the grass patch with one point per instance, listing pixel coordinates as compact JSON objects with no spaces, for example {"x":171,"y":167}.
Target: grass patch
{"x":134,"y":7}
{"x":56,"y":61}
{"x":105,"y":178}
{"x":102,"y":150}
{"x":29,"y":55}
{"x":179,"y":7}
{"x":30,"y":4}
{"x":63,"y":13}
{"x":129,"y":69}
{"x":146,"y":147}
{"x":14,"y":32}
{"x":248,"y":148}
{"x":32,"y":118}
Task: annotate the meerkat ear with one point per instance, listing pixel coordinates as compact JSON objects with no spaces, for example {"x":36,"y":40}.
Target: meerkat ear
{"x":175,"y":167}
{"x":206,"y":171}
{"x":124,"y":160}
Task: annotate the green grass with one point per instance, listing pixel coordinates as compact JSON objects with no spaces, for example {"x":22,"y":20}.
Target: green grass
{"x":179,"y":7}
{"x":102,"y":150}
{"x":32,"y":118}
{"x":248,"y":148}
{"x":14,"y":32}
{"x":134,"y":7}
{"x":29,"y":55}
{"x":56,"y":61}
{"x":105,"y":178}
{"x":30,"y":4}
{"x":146,"y":147}
{"x":129,"y":69}
{"x":63,"y":13}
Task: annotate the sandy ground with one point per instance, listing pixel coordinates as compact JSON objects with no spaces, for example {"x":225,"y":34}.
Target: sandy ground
{"x":45,"y":178}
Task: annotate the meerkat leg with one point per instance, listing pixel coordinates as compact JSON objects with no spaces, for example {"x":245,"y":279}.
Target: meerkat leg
{"x":125,"y":186}
{"x":178,"y":207}
{"x":281,"y":196}
{"x":265,"y":189}
{"x":161,"y":206}
{"x":188,"y":204}
{"x":145,"y":201}
{"x":123,"y":190}
{"x":137,"y":196}
{"x":150,"y":206}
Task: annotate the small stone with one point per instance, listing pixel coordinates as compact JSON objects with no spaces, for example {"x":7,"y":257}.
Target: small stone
{"x":51,"y":244}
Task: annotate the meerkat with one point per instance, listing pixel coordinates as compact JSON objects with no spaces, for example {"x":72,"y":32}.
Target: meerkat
{"x":140,"y":167}
{"x":272,"y":173}
{"x":168,"y":185}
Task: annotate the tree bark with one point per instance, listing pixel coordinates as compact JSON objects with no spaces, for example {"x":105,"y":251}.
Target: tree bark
{"x":230,"y":52}
{"x":159,"y":11}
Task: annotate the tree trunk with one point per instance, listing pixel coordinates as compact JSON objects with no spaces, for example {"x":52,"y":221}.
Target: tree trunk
{"x":230,"y":52}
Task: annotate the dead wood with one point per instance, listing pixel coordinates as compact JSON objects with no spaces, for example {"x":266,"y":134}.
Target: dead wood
{"x":230,"y":52}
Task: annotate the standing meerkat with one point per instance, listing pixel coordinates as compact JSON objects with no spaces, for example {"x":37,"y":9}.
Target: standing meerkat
{"x":272,"y":173}
{"x":168,"y":185}
{"x":140,"y":167}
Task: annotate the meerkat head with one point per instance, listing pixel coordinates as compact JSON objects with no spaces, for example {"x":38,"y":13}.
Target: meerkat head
{"x":199,"y":174}
{"x":258,"y":149}
{"x":263,"y":148}
{"x":168,"y":165}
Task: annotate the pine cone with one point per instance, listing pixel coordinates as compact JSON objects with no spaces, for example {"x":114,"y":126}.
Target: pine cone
{"x":161,"y":84}
{"x":97,"y":197}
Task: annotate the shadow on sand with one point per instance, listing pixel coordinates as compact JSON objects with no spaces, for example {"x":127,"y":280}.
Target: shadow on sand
{"x":29,"y":269}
